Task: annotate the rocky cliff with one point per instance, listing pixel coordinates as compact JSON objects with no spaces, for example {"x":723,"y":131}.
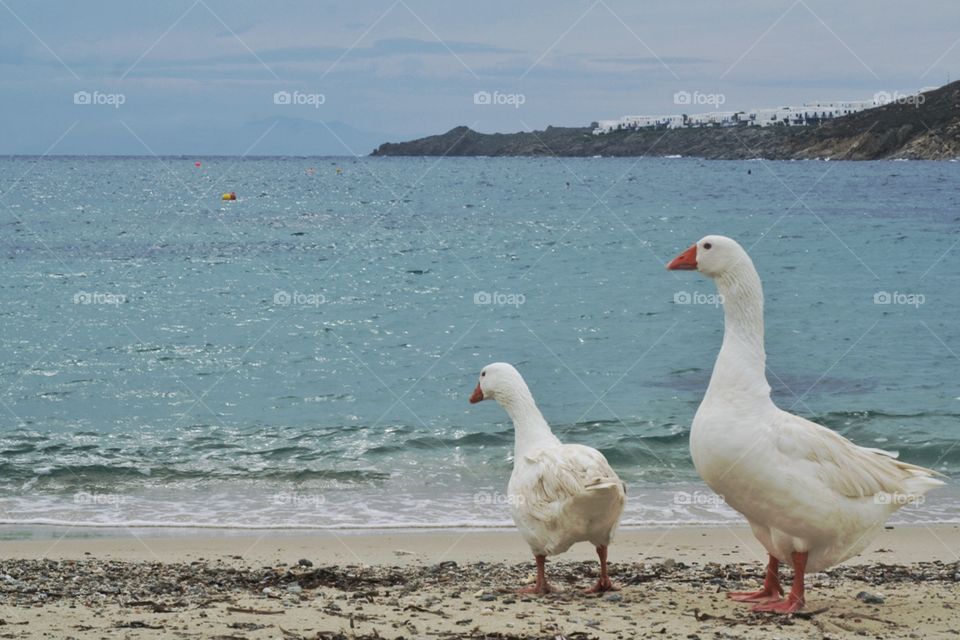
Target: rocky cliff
{"x":926,"y":128}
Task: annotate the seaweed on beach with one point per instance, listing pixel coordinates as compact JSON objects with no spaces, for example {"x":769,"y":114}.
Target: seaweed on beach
{"x":339,"y":635}
{"x":166,"y":586}
{"x":350,"y":578}
{"x":449,"y":601}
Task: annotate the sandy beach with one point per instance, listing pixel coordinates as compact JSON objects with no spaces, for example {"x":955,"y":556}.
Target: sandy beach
{"x":452,"y":584}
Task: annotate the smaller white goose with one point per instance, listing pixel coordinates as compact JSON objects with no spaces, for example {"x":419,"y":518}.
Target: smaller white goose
{"x":812,"y":497}
{"x":559,"y":493}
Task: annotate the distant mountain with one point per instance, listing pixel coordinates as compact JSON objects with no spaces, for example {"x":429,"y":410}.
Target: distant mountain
{"x":924,"y":129}
{"x":282,"y":136}
{"x":300,"y":137}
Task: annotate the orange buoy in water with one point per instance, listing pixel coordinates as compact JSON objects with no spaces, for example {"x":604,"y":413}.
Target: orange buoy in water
{"x":229,"y":196}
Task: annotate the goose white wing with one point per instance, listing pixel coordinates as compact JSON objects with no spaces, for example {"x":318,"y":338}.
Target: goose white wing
{"x":558,"y":478}
{"x":844,"y":467}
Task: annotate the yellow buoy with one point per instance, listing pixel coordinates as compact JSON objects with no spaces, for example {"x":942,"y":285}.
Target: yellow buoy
{"x":229,"y":196}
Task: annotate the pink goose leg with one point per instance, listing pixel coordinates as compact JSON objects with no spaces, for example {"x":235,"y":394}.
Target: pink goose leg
{"x":603,"y":583}
{"x":771,"y":590}
{"x":540,"y":587}
{"x":794,"y":601}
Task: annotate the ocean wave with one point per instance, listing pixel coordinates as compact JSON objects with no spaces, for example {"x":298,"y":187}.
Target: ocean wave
{"x":357,"y":453}
{"x":104,"y":474}
{"x":149,"y":524}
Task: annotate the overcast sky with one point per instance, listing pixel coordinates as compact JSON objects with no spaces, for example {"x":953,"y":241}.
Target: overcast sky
{"x":201,"y":76}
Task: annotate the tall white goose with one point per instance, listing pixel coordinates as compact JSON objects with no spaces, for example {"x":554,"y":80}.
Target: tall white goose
{"x":559,"y":494}
{"x":812,"y":497}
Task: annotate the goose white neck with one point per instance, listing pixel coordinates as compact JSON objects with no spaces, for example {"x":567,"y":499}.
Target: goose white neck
{"x":531,"y":431}
{"x":741,"y":365}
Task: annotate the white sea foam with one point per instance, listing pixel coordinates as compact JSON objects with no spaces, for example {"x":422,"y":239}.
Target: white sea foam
{"x":688,"y":505}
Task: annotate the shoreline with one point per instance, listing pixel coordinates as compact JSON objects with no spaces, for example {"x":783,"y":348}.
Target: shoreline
{"x":710,"y":543}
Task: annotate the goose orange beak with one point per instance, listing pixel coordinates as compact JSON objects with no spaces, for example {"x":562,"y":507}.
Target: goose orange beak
{"x":686,"y":261}
{"x":477,"y":395}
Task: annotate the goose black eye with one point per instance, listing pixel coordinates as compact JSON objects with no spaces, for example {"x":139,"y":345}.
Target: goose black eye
{"x":707,"y":245}
{"x":483,"y":373}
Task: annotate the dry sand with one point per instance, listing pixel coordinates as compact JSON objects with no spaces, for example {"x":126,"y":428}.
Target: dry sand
{"x":134,"y":584}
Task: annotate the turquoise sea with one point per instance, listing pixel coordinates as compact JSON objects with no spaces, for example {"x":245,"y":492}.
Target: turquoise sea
{"x":302,"y":356}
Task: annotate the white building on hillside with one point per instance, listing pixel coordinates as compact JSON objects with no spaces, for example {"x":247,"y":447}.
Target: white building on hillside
{"x":805,"y":114}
